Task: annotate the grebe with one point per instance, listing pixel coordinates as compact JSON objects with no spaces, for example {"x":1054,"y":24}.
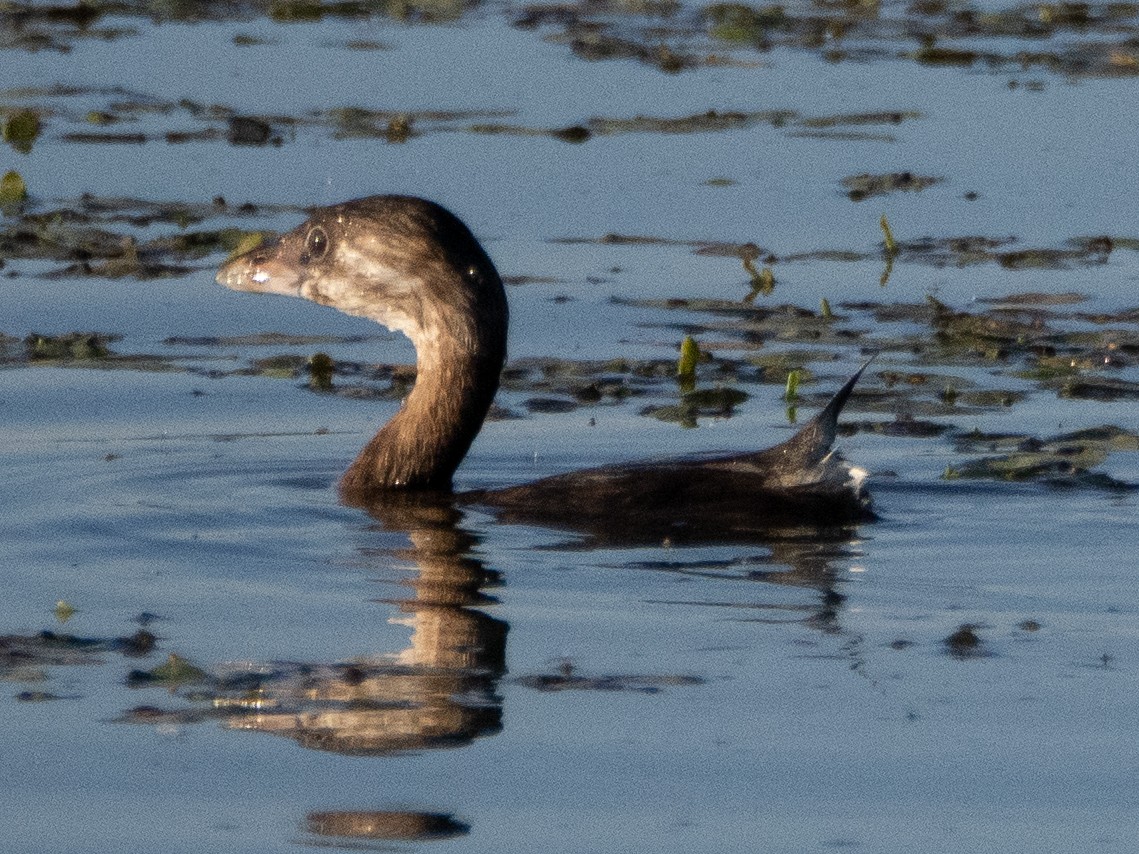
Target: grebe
{"x":414,"y":267}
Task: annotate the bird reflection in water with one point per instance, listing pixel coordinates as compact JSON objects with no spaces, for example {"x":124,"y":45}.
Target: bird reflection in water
{"x":443,"y":690}
{"x":384,"y":825}
{"x":439,"y":692}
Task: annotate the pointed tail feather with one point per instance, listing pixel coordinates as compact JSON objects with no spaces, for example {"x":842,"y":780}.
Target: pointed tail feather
{"x":830,"y":412}
{"x":813,"y":442}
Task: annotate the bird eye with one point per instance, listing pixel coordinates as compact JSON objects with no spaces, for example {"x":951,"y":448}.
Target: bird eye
{"x":316,"y":243}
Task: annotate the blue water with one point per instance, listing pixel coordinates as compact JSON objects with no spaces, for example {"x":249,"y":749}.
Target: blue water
{"x":787,"y":697}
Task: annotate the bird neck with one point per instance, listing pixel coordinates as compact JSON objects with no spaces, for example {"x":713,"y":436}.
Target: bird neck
{"x":421,"y":446}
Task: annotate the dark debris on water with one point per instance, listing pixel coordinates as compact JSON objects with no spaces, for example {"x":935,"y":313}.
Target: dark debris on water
{"x":568,"y":678}
{"x":30,"y":658}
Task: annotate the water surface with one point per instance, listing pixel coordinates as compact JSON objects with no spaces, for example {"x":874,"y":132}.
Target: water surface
{"x":438,"y":680}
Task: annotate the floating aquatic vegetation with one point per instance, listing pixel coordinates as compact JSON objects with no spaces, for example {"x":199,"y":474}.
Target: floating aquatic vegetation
{"x":965,"y":642}
{"x":686,"y":364}
{"x":320,"y":371}
{"x":963,"y":251}
{"x":594,"y":45}
{"x":13,"y":190}
{"x":1010,"y":338}
{"x":349,"y":122}
{"x":247,"y":242}
{"x":938,"y":252}
{"x":264,"y":339}
{"x":762,"y":281}
{"x":787,"y":324}
{"x":1051,"y":369}
{"x":64,"y":611}
{"x":986,"y":398}
{"x":904,"y":426}
{"x":1036,"y":298}
{"x":28,"y":658}
{"x":140,"y":212}
{"x":894,"y":117}
{"x":561,"y":385}
{"x":83,"y":350}
{"x":247,"y":40}
{"x":287,"y":366}
{"x":1070,"y":39}
{"x":1097,"y":388}
{"x":75,"y":346}
{"x":220,"y":123}
{"x":864,"y":186}
{"x":980,"y":331}
{"x":736,"y":22}
{"x":108,"y":138}
{"x":20,"y":129}
{"x":718,"y":402}
{"x":931,"y":53}
{"x":96,"y":237}
{"x":791,"y":392}
{"x":175,"y":671}
{"x":250,"y":130}
{"x":1064,"y":460}
{"x":567,"y":678}
{"x":709,"y":121}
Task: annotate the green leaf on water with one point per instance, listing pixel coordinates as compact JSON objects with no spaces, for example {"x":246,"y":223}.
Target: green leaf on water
{"x":762,"y":281}
{"x":891,"y":244}
{"x":792,"y":391}
{"x":64,"y":611}
{"x":175,"y":671}
{"x":12,"y":188}
{"x":689,"y":356}
{"x":20,"y":130}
